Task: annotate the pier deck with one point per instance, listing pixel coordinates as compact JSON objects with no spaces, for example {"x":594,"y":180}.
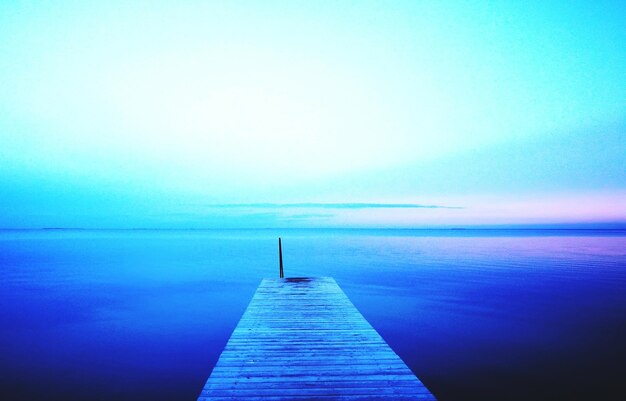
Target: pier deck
{"x":302,"y":339}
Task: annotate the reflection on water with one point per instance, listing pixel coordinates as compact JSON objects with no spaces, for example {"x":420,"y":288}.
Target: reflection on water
{"x":138,"y":315}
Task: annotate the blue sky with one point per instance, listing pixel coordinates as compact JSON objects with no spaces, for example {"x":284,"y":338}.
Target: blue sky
{"x":153,"y":114}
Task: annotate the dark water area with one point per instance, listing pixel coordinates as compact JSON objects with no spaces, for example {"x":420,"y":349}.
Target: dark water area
{"x":476,"y":314}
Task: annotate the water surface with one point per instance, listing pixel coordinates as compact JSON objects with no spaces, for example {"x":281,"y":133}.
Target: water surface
{"x":477,"y":314}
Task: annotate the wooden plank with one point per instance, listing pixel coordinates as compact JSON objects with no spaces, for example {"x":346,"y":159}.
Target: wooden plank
{"x":302,"y":339}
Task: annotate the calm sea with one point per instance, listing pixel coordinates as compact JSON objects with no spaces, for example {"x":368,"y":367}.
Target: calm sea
{"x":476,"y":314}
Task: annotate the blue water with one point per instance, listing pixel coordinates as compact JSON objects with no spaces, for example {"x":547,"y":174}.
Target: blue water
{"x":477,"y":314}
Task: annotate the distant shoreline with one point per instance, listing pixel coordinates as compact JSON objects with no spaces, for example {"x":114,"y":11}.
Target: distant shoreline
{"x":615,"y":229}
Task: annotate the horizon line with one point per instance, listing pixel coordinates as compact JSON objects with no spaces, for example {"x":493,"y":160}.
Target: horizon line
{"x":562,"y":226}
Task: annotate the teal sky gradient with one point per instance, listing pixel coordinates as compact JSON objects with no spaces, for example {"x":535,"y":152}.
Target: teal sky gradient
{"x":153,"y":114}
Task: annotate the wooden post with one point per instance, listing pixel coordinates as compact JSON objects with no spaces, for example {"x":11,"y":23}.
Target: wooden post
{"x":280,"y":258}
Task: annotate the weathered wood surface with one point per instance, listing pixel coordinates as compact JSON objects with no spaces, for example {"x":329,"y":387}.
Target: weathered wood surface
{"x":302,"y":339}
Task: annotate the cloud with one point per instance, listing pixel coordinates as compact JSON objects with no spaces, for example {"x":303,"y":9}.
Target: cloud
{"x":312,"y":205}
{"x":307,"y":216}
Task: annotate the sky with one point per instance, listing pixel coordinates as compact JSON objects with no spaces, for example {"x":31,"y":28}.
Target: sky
{"x":199,"y":114}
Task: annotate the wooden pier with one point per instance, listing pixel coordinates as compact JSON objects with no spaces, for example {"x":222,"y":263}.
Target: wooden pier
{"x":302,"y":339}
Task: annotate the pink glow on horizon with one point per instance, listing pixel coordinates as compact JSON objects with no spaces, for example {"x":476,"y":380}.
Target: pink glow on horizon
{"x":499,"y":209}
